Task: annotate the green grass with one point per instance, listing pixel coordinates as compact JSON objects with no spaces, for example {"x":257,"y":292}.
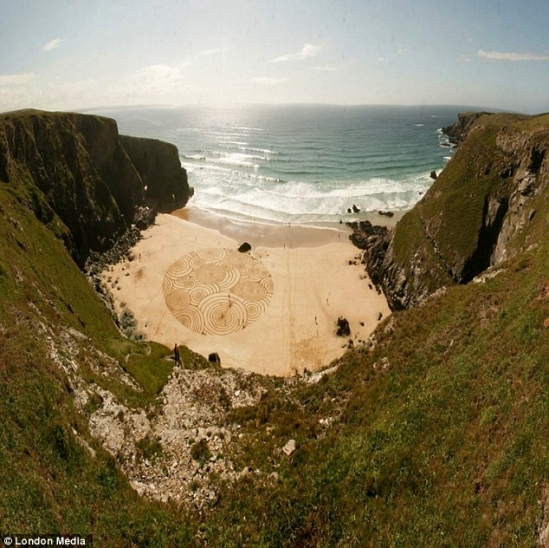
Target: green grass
{"x":453,"y":209}
{"x":43,"y":265}
{"x":446,"y":447}
{"x":49,"y":481}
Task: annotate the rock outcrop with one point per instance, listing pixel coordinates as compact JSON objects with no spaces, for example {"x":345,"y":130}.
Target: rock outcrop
{"x":457,"y":132}
{"x":77,"y":177}
{"x":480,"y":211}
{"x":157,"y":162}
{"x":343,"y":329}
{"x":245,"y":247}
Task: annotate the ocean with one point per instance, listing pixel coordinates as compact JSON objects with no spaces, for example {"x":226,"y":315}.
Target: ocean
{"x":300,"y":164}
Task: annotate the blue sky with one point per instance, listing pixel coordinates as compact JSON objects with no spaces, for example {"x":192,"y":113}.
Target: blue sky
{"x":62,"y":55}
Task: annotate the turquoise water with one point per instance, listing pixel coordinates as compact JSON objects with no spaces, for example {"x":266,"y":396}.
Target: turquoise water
{"x":300,"y":164}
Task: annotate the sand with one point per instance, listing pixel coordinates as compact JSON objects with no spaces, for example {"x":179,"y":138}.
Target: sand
{"x":272,"y":311}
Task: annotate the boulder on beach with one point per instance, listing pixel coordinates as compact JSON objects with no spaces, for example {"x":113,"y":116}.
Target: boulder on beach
{"x":245,"y":247}
{"x":343,"y":327}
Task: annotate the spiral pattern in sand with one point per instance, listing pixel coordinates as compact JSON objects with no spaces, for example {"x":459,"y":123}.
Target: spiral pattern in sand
{"x":217,"y":291}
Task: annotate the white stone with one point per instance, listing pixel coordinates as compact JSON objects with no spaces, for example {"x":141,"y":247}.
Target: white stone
{"x":290,"y":447}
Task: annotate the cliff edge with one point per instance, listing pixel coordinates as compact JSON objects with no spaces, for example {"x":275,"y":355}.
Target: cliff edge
{"x":164,"y":180}
{"x":481,"y":211}
{"x":79,"y":179}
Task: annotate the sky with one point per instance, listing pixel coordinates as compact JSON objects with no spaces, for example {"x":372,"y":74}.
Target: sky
{"x":74,"y":55}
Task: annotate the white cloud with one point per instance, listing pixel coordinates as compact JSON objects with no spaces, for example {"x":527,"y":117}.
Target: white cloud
{"x":155,"y":84}
{"x":307,"y":51}
{"x":54,"y":44}
{"x":327,"y":68}
{"x":510,"y":56}
{"x":159,"y":77}
{"x":16,"y":79}
{"x":266,"y":81}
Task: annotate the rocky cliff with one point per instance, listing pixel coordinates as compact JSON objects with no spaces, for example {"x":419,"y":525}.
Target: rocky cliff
{"x":78,"y":178}
{"x":165,"y":181}
{"x":480,"y":211}
{"x":461,"y":127}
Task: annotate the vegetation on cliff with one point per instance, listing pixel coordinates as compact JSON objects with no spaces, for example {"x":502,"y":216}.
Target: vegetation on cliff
{"x":481,"y":210}
{"x":66,"y":185}
{"x":433,"y":434}
{"x":54,"y":476}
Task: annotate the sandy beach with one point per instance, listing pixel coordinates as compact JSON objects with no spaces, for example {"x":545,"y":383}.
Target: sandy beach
{"x":272,"y":310}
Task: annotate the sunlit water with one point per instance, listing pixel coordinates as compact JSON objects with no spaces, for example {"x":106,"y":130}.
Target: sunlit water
{"x":300,"y":164}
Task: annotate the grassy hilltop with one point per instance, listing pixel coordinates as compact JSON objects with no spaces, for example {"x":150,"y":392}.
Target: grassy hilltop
{"x":435,"y":434}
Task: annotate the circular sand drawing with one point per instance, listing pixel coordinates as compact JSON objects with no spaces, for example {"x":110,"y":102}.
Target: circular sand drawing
{"x":217,"y":291}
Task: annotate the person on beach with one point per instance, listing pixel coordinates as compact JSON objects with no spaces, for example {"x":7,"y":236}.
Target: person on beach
{"x":176,"y":357}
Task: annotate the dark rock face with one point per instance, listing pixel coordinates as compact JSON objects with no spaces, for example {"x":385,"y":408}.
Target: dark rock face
{"x":373,"y":240}
{"x":144,"y":217}
{"x":478,"y":213}
{"x":78,"y":179}
{"x":364,"y":232}
{"x":160,"y":169}
{"x":75,"y":168}
{"x":459,"y":130}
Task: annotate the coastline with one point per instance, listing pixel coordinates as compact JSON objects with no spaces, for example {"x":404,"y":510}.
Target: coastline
{"x":314,"y":276}
{"x":280,"y":235}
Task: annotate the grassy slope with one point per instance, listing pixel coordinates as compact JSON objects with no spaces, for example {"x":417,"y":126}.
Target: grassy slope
{"x":460,"y":193}
{"x":445,"y":447}
{"x":48,"y":480}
